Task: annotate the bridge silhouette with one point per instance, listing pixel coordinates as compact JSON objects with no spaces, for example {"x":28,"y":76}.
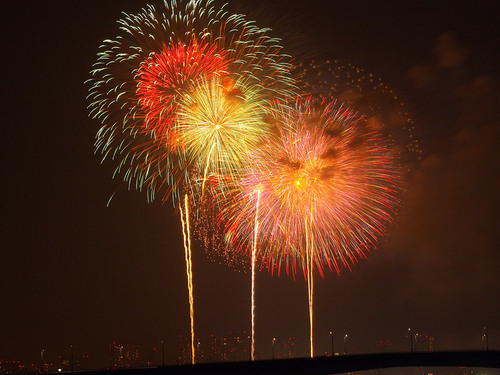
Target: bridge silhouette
{"x":324,"y":365}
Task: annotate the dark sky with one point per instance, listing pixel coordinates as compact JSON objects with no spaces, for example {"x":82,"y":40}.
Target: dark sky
{"x":74,"y":271}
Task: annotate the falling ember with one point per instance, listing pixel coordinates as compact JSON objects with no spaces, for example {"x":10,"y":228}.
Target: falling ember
{"x":310,"y":281}
{"x":189,"y":272}
{"x":254,"y":253}
{"x":206,"y":167}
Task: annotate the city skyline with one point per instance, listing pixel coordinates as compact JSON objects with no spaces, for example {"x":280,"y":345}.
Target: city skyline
{"x":234,"y":347}
{"x":75,"y":271}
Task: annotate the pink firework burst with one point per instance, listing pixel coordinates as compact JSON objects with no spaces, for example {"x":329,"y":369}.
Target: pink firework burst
{"x":326,"y":186}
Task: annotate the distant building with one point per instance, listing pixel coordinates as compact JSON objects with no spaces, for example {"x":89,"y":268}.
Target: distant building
{"x":287,"y":348}
{"x":232,"y":348}
{"x":12,"y":367}
{"x":183,"y":352}
{"x":424,"y":343}
{"x":384,"y":345}
{"x":124,"y":356}
{"x":71,"y":361}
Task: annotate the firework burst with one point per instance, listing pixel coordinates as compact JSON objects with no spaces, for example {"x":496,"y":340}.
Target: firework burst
{"x":329,"y":167}
{"x":159,"y":56}
{"x":364,"y":92}
{"x":219,"y":122}
{"x":319,"y":194}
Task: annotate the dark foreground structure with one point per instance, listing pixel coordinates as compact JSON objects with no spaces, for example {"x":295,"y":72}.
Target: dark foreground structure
{"x":324,"y":365}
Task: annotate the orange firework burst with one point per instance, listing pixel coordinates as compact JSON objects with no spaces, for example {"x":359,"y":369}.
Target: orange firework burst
{"x":320,"y":193}
{"x":328,"y":183}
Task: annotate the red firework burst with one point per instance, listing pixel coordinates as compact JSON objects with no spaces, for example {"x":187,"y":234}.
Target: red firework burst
{"x":166,"y":75}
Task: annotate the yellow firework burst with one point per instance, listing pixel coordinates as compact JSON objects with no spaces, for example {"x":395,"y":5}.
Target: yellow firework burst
{"x":219,"y":122}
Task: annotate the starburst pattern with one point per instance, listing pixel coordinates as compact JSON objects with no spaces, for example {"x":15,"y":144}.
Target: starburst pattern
{"x":158,"y":57}
{"x":328,"y":183}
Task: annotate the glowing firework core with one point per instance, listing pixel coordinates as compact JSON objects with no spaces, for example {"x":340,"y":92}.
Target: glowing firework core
{"x":219,"y":122}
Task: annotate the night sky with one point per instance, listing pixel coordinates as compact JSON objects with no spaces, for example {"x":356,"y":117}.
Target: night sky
{"x":74,"y":271}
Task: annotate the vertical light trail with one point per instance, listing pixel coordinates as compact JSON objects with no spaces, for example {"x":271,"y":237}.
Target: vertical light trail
{"x":254,"y":253}
{"x":310,"y":284}
{"x":189,"y":272}
{"x":206,"y":168}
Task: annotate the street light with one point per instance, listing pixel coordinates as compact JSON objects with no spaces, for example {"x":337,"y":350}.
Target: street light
{"x":163,"y":352}
{"x":333,"y":349}
{"x":250,"y":347}
{"x":198,"y":351}
{"x":274,"y":340}
{"x":345,"y":344}
{"x":410,"y":334}
{"x":485,"y":338}
{"x":42,"y":365}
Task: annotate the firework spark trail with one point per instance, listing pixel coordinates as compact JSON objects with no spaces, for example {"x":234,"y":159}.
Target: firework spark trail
{"x":206,"y":170}
{"x":309,"y":253}
{"x":189,"y":271}
{"x":254,"y":255}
